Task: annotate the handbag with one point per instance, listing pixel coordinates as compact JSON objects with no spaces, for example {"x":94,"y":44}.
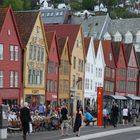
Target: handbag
{"x":30,"y":127}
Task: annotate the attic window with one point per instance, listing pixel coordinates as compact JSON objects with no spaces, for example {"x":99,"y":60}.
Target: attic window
{"x":8,"y":32}
{"x":110,"y":56}
{"x":42,"y":14}
{"x":61,"y":13}
{"x":57,"y":13}
{"x":52,"y":13}
{"x":48,"y":14}
{"x":96,"y":23}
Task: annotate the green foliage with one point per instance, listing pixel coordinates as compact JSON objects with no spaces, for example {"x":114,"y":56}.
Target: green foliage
{"x":88,"y":4}
{"x":122,"y":13}
{"x":18,"y":4}
{"x":75,"y":5}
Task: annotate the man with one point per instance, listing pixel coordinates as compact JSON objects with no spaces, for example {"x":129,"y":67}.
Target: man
{"x":114,"y":114}
{"x":89,"y":117}
{"x":64,"y":120}
{"x":25,"y":119}
{"x":134,"y":115}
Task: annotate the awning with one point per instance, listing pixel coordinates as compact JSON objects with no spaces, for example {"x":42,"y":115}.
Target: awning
{"x":116,"y":97}
{"x":133,"y":97}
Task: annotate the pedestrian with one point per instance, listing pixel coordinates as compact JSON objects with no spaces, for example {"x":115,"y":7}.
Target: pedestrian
{"x":134,"y":115}
{"x":114,"y":114}
{"x":88,"y":117}
{"x":105,"y":116}
{"x":78,"y":122}
{"x":125,"y":115}
{"x":64,"y":120}
{"x":25,"y":119}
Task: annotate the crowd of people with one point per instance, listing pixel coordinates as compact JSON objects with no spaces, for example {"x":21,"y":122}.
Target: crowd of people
{"x":29,"y":114}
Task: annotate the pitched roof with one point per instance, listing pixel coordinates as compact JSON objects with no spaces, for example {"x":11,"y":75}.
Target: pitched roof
{"x":54,"y":16}
{"x":86,"y":44}
{"x":116,"y":50}
{"x":106,"y":45}
{"x":127,"y":51}
{"x":49,"y":38}
{"x":65,"y":30}
{"x":96,"y":46}
{"x":3,"y":12}
{"x":61,"y":45}
{"x":93,"y":25}
{"x":25,"y":22}
{"x":133,"y":25}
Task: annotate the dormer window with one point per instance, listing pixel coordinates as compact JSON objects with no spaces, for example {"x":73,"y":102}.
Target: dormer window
{"x":110,"y":56}
{"x":117,"y":37}
{"x":8,"y":32}
{"x":128,"y":37}
{"x":138,"y":36}
{"x":107,"y":36}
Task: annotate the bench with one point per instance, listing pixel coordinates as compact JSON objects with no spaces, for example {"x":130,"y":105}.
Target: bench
{"x":92,"y":121}
{"x":13,"y":129}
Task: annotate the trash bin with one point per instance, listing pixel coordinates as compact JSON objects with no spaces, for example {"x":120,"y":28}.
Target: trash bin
{"x":3,"y":121}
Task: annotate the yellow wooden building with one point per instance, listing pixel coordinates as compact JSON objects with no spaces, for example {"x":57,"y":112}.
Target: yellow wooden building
{"x":35,"y":56}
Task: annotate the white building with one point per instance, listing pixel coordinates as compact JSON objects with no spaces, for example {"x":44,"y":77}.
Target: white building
{"x":89,"y":90}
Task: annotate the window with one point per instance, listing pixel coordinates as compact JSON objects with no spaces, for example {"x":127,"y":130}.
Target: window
{"x":91,"y":85}
{"x":91,"y":68}
{"x":11,"y":78}
{"x":50,"y":67}
{"x":42,"y":54}
{"x":61,"y":86}
{"x":55,"y":86}
{"x":56,"y":68}
{"x":121,"y":59}
{"x":34,"y":53}
{"x":50,"y":86}
{"x":110,"y":56}
{"x":96,"y":86}
{"x":113,"y":73}
{"x":107,"y":72}
{"x":38,"y":55}
{"x":11,"y":52}
{"x":16,"y":53}
{"x":1,"y":51}
{"x":16,"y":79}
{"x":1,"y":79}
{"x":73,"y":81}
{"x":74,"y":62}
{"x":30,"y":52}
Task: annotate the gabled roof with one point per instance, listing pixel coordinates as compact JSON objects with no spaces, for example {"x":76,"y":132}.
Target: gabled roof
{"x":127,"y":51}
{"x":61,"y":44}
{"x":65,"y":30}
{"x":25,"y":22}
{"x":49,"y":38}
{"x":86,"y":44}
{"x":116,"y":50}
{"x":96,"y":46}
{"x":106,"y":45}
{"x":3,"y":12}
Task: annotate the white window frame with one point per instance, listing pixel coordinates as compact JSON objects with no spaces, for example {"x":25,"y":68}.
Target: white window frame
{"x":16,"y":79}
{"x":16,"y":53}
{"x":11,"y":53}
{"x":11,"y":78}
{"x":1,"y":51}
{"x":1,"y":79}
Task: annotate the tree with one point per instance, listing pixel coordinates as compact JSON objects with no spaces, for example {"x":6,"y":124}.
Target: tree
{"x":88,"y":4}
{"x":16,"y":4}
{"x":26,"y":4}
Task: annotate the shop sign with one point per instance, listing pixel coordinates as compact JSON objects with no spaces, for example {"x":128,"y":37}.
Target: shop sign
{"x":35,"y":91}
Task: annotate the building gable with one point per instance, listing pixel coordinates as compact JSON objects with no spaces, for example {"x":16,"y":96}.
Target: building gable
{"x":121,"y":60}
{"x":132,"y":59}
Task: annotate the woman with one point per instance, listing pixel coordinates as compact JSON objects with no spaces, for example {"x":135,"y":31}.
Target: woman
{"x":78,"y":122}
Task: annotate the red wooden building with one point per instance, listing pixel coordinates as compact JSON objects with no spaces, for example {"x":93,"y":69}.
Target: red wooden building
{"x":121,"y":73}
{"x":109,"y":76}
{"x":53,"y":69}
{"x":132,"y":69}
{"x":10,"y":59}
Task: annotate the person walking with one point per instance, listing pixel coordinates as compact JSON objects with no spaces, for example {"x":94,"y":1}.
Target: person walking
{"x":25,"y":119}
{"x":134,"y":115}
{"x":78,"y":122}
{"x":105,"y":116}
{"x":114,"y":114}
{"x":64,"y":120}
{"x":125,"y":115}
